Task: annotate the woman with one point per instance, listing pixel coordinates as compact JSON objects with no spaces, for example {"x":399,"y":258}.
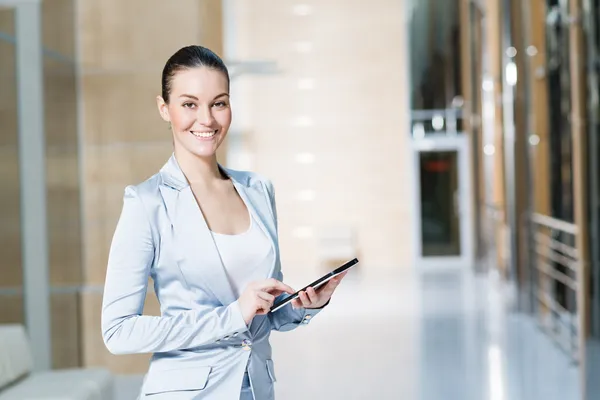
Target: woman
{"x":207,"y":236}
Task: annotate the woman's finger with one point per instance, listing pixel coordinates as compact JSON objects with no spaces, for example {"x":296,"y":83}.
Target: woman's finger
{"x":273,"y":284}
{"x":304,"y":299}
{"x":296,"y":303}
{"x":264,"y":307}
{"x":266,"y":296}
{"x":330,"y":287}
{"x":312,"y":295}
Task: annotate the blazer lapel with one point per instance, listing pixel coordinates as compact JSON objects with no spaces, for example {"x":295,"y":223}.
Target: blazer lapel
{"x":195,"y":250}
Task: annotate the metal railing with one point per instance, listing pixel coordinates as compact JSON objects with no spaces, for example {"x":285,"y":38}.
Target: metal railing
{"x":555,"y":281}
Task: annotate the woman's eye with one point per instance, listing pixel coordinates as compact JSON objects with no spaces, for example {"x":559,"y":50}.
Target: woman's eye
{"x":220,"y":104}
{"x":188,"y":105}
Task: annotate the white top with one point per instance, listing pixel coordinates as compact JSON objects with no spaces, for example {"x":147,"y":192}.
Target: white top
{"x":247,"y":257}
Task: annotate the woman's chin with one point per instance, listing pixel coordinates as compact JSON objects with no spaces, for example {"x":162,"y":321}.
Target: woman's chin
{"x":206,"y":151}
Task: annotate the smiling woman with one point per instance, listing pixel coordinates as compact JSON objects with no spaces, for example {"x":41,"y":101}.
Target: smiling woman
{"x":207,"y":236}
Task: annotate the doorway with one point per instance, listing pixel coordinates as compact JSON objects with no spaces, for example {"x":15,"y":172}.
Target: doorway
{"x":443,"y":215}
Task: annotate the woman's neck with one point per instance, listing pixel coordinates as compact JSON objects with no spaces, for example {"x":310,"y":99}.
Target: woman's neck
{"x":198,"y":170}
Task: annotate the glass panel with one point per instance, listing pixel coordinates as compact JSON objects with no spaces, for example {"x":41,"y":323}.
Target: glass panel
{"x":63,"y":189}
{"x":11,"y":300}
{"x":592,"y":27}
{"x":559,"y":89}
{"x":435,"y":54}
{"x":440,"y":229}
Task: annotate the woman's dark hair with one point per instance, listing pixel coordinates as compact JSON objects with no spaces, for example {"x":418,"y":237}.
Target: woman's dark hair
{"x":190,"y":57}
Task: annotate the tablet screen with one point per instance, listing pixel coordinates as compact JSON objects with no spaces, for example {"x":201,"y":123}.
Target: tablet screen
{"x":319,"y":282}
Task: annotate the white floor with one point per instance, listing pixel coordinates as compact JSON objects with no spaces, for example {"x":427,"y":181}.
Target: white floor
{"x":436,"y":336}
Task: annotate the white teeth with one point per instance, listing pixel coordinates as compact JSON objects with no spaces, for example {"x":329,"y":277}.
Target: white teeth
{"x":203,"y":134}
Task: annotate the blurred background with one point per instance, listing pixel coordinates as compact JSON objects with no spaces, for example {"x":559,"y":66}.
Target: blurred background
{"x":451,"y":145}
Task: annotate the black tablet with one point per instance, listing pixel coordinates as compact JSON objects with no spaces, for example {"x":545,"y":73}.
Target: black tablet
{"x":321,"y":281}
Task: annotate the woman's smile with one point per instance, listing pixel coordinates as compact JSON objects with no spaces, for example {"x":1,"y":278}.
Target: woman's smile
{"x":205,"y":135}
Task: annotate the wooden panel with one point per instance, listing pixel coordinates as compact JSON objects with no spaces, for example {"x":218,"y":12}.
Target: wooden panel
{"x":62,"y":171}
{"x":135,"y":35}
{"x":57,"y":24}
{"x":521,"y":138}
{"x":11,"y":310}
{"x":10,"y":228}
{"x":540,"y":153}
{"x":580,"y":179}
{"x":65,"y":319}
{"x":539,"y":107}
{"x":211,"y":24}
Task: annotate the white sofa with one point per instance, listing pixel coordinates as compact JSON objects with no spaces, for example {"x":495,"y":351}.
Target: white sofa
{"x":18,"y":382}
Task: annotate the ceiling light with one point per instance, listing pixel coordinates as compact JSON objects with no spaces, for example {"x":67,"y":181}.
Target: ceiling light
{"x":489,"y":149}
{"x":302,"y":10}
{"x":307,"y":195}
{"x":302,"y":232}
{"x":305,"y":158}
{"x":437,"y":122}
{"x":534,"y":140}
{"x":306,"y":84}
{"x":303,"y":121}
{"x":304,"y":46}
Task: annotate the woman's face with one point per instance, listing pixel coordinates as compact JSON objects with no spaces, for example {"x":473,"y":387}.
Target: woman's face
{"x":198,"y":110}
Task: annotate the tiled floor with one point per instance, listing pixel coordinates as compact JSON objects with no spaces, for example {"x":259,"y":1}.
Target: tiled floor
{"x":435,"y":336}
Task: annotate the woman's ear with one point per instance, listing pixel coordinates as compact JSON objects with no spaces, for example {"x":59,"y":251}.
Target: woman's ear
{"x":163,"y":109}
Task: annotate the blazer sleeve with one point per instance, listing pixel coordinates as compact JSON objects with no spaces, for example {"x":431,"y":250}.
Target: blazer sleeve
{"x":287,"y":318}
{"x":124,"y":329}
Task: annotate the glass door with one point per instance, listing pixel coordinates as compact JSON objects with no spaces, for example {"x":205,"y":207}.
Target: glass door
{"x":440,"y":230}
{"x":443,"y":226}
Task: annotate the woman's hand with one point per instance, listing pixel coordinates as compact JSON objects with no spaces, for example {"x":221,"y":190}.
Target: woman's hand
{"x":258,"y":297}
{"x":312,"y":298}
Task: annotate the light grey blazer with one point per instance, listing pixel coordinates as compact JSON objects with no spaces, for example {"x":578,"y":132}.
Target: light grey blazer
{"x":201,"y":343}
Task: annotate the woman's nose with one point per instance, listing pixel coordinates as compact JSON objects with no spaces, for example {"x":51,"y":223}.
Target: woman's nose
{"x":205,"y":116}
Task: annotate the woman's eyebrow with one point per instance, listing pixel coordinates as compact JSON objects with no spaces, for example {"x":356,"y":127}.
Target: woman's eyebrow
{"x":196,"y":98}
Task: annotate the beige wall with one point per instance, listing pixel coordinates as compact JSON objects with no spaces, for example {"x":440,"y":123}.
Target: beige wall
{"x":359,"y":118}
{"x":124,"y":139}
